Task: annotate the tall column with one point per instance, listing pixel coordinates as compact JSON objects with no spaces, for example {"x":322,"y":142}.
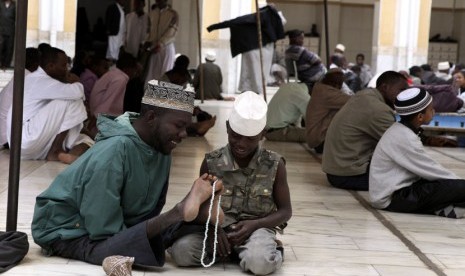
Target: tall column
{"x":216,"y":11}
{"x":56,"y":24}
{"x":334,"y":16}
{"x":400,"y":36}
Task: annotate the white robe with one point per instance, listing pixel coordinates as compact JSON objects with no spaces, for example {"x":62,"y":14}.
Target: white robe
{"x":160,"y":62}
{"x":136,"y":32}
{"x":50,"y":107}
{"x":116,"y":41}
{"x":6,"y":101}
{"x":251,"y":73}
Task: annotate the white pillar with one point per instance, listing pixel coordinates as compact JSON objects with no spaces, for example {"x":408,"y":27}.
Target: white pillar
{"x":230,"y":9}
{"x":399,"y":39}
{"x":51,"y":19}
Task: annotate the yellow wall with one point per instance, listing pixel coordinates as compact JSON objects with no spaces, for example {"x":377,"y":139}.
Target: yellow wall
{"x":211,"y":15}
{"x":387,"y":21}
{"x":33,"y":14}
{"x":70,"y":16}
{"x":424,"y":24}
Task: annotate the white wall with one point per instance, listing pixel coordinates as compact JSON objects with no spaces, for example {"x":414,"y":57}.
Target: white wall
{"x":356,"y":31}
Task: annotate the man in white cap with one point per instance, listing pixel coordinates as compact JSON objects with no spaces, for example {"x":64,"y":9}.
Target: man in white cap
{"x":340,"y":49}
{"x":403,"y":177}
{"x":212,"y":79}
{"x":443,"y":71}
{"x":109,"y":201}
{"x":256,"y":200}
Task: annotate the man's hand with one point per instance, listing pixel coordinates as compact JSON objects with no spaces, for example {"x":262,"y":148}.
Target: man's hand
{"x":223,"y":248}
{"x":157,"y":48}
{"x":241,"y":231}
{"x":72,"y":78}
{"x":438,"y":141}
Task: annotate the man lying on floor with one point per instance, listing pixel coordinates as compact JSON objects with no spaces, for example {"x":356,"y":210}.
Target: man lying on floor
{"x":403,"y":178}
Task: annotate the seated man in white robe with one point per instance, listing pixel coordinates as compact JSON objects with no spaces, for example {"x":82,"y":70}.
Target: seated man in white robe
{"x":6,"y":96}
{"x":53,"y":112}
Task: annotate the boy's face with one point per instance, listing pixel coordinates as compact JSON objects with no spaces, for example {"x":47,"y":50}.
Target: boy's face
{"x":425,"y":118}
{"x":242,"y":147}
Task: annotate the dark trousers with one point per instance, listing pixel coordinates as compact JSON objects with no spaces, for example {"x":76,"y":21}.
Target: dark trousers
{"x":427,"y":197}
{"x":353,"y":182}
{"x":6,"y":50}
{"x":132,"y":242}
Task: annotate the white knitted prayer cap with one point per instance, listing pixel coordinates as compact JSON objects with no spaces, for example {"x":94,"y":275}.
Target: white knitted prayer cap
{"x":443,"y":65}
{"x":248,"y":117}
{"x":412,"y":100}
{"x":341,"y":47}
{"x":210,"y":56}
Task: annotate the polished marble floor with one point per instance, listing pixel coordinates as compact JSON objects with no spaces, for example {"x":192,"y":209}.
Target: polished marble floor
{"x":332,"y":232}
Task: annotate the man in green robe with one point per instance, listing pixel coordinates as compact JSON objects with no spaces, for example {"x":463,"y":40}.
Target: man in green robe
{"x":108,"y":202}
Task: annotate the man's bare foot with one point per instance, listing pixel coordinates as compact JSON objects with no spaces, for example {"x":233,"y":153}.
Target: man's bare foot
{"x":204,"y":208}
{"x":53,"y":155}
{"x":199,"y":193}
{"x":73,"y":154}
{"x":229,"y":99}
{"x":67,"y":158}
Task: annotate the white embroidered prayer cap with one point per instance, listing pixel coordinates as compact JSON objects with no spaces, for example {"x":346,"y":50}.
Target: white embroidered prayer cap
{"x":341,"y":47}
{"x":168,"y":95}
{"x":210,"y":56}
{"x":443,"y":65}
{"x":248,"y":117}
{"x":412,"y":100}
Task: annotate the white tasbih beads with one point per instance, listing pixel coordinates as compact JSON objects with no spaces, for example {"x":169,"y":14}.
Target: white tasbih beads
{"x":216,"y":228}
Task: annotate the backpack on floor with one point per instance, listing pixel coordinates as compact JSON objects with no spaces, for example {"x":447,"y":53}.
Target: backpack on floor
{"x":13,"y":247}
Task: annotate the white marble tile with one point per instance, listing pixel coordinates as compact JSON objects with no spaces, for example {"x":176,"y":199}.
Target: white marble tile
{"x":387,"y":270}
{"x":349,"y":256}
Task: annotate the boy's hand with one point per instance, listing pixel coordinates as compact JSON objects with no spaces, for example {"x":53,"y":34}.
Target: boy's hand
{"x":241,"y":231}
{"x":223,"y":248}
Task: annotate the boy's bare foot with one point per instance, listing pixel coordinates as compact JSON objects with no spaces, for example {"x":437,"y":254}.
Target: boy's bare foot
{"x":199,"y":193}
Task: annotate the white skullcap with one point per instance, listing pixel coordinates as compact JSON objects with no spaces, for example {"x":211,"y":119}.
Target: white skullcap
{"x":412,"y":100}
{"x":210,"y":56}
{"x":443,"y":65}
{"x":248,"y":117}
{"x":341,"y":47}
